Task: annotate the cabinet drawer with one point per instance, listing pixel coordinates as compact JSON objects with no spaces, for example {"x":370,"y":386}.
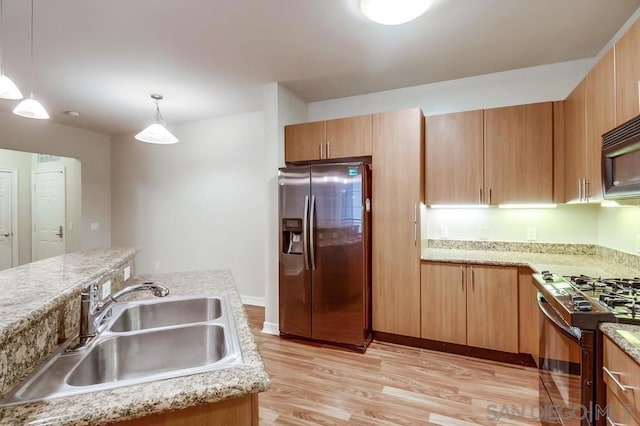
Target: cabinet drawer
{"x":617,"y":412}
{"x":622,"y":375}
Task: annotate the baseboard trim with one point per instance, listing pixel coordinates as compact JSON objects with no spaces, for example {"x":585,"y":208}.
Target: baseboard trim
{"x":272,"y":328}
{"x":253,"y":301}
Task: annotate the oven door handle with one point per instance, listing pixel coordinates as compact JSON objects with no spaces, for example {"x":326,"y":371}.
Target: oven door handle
{"x":574,"y":333}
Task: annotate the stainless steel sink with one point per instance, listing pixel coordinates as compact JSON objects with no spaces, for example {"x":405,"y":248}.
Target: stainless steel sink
{"x":203,"y":339}
{"x":166,"y":313}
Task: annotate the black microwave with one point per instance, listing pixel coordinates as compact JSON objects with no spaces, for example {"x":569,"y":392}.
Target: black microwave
{"x":621,"y":162}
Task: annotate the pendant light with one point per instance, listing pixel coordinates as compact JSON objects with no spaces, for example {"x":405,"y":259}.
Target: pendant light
{"x":31,"y":108}
{"x":8,"y":89}
{"x":393,"y":12}
{"x":157,"y":132}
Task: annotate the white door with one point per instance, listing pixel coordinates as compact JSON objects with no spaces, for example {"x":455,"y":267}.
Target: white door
{"x":6,"y":220}
{"x":48,"y":211}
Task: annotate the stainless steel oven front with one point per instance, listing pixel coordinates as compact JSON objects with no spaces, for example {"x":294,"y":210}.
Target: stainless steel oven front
{"x":567,"y":364}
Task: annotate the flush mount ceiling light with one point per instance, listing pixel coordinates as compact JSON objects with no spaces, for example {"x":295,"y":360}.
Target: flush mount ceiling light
{"x":157,"y":132}
{"x":8,"y":89}
{"x":30,"y":108}
{"x":393,"y":12}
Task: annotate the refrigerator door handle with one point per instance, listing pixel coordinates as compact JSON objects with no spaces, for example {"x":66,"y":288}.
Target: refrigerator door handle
{"x":312,"y":232}
{"x":305,"y":233}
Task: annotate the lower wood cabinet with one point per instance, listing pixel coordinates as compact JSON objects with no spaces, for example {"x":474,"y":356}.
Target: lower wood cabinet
{"x":241,"y":411}
{"x":474,"y":305}
{"x":622,"y":377}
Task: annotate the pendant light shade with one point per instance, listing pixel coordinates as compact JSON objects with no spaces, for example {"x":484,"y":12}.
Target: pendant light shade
{"x":393,"y":12}
{"x":30,"y":108}
{"x":157,"y":132}
{"x":8,"y":89}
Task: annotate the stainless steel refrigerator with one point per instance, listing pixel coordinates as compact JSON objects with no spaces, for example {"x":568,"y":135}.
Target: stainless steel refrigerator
{"x":325,"y":252}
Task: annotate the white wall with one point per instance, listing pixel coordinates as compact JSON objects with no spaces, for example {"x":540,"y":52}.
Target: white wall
{"x":619,"y":228}
{"x":92,"y":149}
{"x":198,"y":204}
{"x":565,"y":224}
{"x":281,"y":107}
{"x":527,"y":85}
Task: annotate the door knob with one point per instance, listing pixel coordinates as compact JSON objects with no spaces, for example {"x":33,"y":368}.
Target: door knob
{"x":60,"y":233}
{"x":6,"y":235}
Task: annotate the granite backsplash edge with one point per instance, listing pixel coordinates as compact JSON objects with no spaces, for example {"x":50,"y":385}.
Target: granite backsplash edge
{"x":607,"y":254}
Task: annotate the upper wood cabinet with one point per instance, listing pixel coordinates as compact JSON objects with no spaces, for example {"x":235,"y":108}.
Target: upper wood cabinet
{"x":518,"y":146}
{"x":589,"y":112}
{"x":454,"y":158}
{"x":398,"y":167}
{"x":495,"y":156}
{"x":627,"y":75}
{"x":323,"y":140}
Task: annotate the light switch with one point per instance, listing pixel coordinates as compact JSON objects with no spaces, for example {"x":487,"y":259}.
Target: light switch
{"x":127,"y":272}
{"x":106,"y":289}
{"x":94,"y":226}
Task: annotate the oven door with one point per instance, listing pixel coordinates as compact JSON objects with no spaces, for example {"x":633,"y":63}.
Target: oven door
{"x":565,"y":380}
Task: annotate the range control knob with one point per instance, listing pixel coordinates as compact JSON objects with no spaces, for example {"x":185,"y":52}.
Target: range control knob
{"x":583,"y":305}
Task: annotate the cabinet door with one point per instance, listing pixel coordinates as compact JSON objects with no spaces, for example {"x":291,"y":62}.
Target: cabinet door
{"x":519,"y":154}
{"x":600,"y":105}
{"x":627,"y":71}
{"x":454,"y":158}
{"x":528,"y":314}
{"x":444,"y":302}
{"x":303,"y":142}
{"x":492,"y":308}
{"x":575,"y":114}
{"x":397,"y":190}
{"x":349,"y":137}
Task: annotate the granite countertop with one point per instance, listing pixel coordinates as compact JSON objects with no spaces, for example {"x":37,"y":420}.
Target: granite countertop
{"x":561,"y":264}
{"x":626,"y":336}
{"x":30,"y":290}
{"x":171,"y":394}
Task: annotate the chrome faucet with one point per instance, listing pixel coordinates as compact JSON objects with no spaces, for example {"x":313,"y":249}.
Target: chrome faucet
{"x":92,"y":312}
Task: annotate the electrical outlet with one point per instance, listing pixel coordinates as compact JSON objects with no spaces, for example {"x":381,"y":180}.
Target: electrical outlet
{"x":106,"y":289}
{"x":157,"y":266}
{"x":483,"y":233}
{"x":444,"y":232}
{"x":638,"y":244}
{"x":531,"y":233}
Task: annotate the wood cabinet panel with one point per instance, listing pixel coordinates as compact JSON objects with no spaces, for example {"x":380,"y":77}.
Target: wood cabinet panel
{"x":397,"y":192}
{"x":626,"y":371}
{"x":236,"y":411}
{"x":558,"y":152}
{"x":601,"y":117}
{"x":454,"y":158}
{"x":304,"y":141}
{"x":518,"y":143}
{"x":444,"y":302}
{"x":618,"y":413}
{"x":492,"y":308}
{"x":528,"y":314}
{"x":627,"y":75}
{"x":349,"y":137}
{"x":575,"y":157}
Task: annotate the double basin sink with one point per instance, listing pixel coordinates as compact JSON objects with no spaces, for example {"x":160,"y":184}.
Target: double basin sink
{"x":140,"y":342}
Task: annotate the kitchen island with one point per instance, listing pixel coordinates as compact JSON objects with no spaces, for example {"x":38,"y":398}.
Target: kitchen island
{"x":199,"y":395}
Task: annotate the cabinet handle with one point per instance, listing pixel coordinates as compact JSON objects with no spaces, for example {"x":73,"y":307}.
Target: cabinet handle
{"x":579,"y":189}
{"x":462,"y":273}
{"x":618,"y":383}
{"x":489,"y":196}
{"x":587,"y":190}
{"x":320,"y":146}
{"x":612,"y":423}
{"x":473,"y":284}
{"x":415,"y":233}
{"x":328,"y":150}
{"x":480,"y":195}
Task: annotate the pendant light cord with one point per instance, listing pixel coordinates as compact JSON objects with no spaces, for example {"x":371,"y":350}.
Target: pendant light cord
{"x":31,"y":73}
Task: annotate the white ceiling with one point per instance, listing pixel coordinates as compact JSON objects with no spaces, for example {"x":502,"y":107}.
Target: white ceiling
{"x":211,"y":57}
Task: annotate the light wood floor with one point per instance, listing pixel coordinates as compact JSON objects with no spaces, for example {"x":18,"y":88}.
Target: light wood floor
{"x":390,"y":384}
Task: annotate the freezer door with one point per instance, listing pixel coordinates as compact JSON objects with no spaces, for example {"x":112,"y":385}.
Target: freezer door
{"x":338,"y":245}
{"x":294,"y":273}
